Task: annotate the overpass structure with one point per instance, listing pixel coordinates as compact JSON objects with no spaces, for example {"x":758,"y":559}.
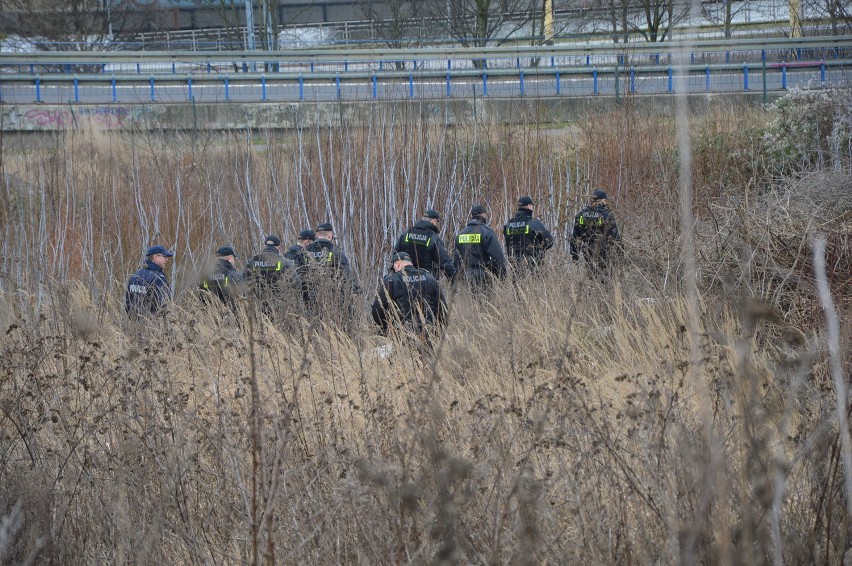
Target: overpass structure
{"x":555,"y":74}
{"x":193,"y":15}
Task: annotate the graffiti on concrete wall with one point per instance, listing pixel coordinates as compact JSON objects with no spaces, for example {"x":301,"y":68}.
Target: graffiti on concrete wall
{"x":107,"y":117}
{"x":48,"y":119}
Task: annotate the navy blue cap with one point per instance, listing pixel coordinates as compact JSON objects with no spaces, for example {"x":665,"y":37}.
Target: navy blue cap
{"x":400,"y":256}
{"x":432,"y":214}
{"x":598,"y":195}
{"x":153,"y":250}
{"x":525,"y":201}
{"x":307,"y":235}
{"x":325,"y":227}
{"x":478,"y":210}
{"x":225,"y":251}
{"x":272,"y":240}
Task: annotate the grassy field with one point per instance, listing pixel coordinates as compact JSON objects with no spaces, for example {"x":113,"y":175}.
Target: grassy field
{"x":562,"y":419}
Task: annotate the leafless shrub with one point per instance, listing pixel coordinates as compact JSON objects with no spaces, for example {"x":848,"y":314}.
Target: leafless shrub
{"x":552,"y":421}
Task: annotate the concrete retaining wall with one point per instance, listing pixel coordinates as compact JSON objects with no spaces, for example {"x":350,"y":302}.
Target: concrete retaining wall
{"x":36,"y":118}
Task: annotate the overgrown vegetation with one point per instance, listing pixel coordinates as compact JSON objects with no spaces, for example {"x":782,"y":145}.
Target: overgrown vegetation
{"x":556,"y":422}
{"x":810,"y":129}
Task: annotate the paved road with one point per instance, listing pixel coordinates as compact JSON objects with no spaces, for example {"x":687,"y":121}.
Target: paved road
{"x":206,"y":88}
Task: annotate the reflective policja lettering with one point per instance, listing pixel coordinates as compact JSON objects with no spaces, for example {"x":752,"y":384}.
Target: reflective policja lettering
{"x":417,"y":238}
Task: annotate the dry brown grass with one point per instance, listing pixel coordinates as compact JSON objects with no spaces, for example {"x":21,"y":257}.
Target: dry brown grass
{"x":553,"y":424}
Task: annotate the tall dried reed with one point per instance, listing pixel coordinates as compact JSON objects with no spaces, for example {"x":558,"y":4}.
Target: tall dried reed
{"x":552,"y":422}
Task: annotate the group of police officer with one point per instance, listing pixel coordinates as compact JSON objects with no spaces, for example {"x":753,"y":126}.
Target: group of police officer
{"x":313,"y":276}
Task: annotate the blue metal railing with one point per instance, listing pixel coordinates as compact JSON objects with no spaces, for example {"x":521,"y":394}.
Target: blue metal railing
{"x":50,"y":63}
{"x":597,"y":81}
{"x":566,"y":71}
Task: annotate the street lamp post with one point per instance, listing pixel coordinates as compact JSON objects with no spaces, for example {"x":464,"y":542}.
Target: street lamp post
{"x":108,"y":9}
{"x":249,"y":26}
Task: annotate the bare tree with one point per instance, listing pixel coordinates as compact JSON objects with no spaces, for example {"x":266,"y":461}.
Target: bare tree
{"x":722,"y":14}
{"x":653,"y":20}
{"x":396,"y":23}
{"x":579,"y":16}
{"x":267,"y":15}
{"x":838,"y":13}
{"x":477,"y":23}
{"x":569,"y":16}
{"x":609,"y":17}
{"x":659,"y":18}
{"x":77,"y":25}
{"x":270,"y":21}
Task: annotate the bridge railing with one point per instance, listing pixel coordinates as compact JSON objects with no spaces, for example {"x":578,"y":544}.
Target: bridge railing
{"x":331,"y":54}
{"x":144,"y":77}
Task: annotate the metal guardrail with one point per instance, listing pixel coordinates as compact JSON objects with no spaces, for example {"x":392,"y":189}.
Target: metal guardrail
{"x":749,"y":16}
{"x":332,"y":54}
{"x":364,"y":74}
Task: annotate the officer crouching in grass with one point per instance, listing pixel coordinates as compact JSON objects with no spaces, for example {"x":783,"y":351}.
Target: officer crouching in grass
{"x":148,"y":293}
{"x":410,"y":300}
{"x":222,"y":280}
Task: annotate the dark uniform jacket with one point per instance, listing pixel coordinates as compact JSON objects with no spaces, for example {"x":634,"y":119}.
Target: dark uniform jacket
{"x":411,"y":296}
{"x":148,"y":291}
{"x":224,"y":282}
{"x":426,"y":248}
{"x":322,"y":253}
{"x":526,"y":237}
{"x":594,"y":232}
{"x":267,"y":267}
{"x":296,"y":254}
{"x":271,"y":275}
{"x":478,"y":253}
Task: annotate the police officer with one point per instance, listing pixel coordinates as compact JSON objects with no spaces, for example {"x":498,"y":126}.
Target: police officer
{"x":296,"y":252}
{"x":328,"y":277}
{"x":526,"y":237}
{"x":323,"y":252}
{"x":148,"y":292}
{"x":274,"y":281}
{"x":478,"y":254}
{"x":223,"y":280}
{"x":594,"y":233}
{"x":425,"y":246}
{"x":410,"y":297}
